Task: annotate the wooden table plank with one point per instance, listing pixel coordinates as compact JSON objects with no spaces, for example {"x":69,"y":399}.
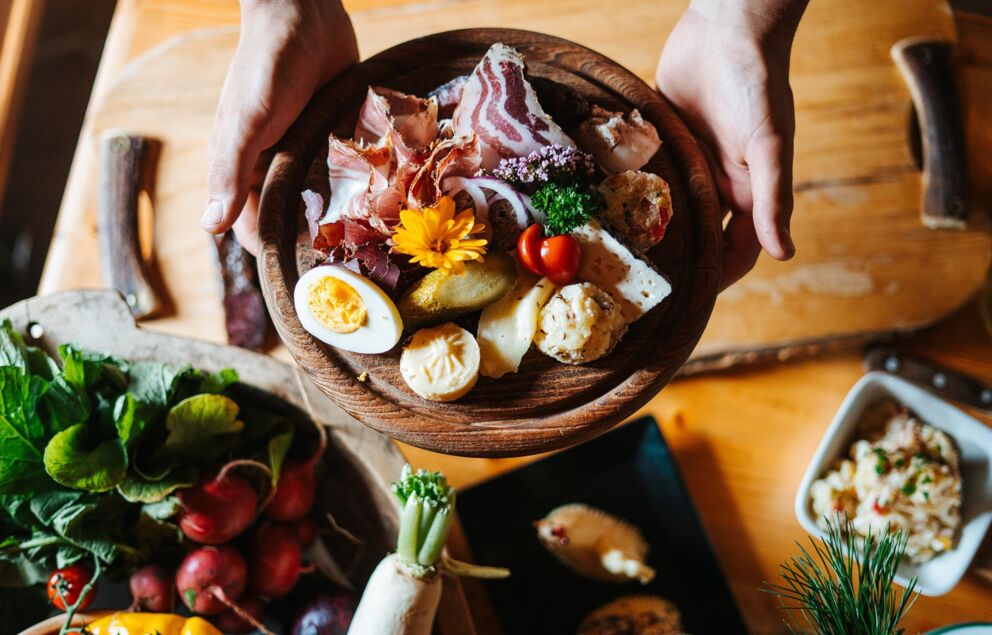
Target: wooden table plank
{"x":742,"y":440}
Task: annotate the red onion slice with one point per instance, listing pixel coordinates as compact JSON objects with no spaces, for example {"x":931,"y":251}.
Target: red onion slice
{"x":455,"y":184}
{"x":526,"y":213}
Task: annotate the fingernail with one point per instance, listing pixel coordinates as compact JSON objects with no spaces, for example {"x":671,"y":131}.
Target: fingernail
{"x":213,"y":215}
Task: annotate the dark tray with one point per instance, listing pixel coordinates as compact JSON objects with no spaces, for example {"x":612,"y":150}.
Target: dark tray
{"x":630,"y":473}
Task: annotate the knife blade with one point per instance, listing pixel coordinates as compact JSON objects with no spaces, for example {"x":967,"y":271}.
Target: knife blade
{"x":125,"y":164}
{"x":246,"y":319}
{"x":948,"y":383}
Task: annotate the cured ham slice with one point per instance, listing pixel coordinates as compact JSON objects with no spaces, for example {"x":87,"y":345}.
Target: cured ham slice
{"x":500,"y":106}
{"x":459,"y":156}
{"x":409,"y":121}
{"x":358,"y":175}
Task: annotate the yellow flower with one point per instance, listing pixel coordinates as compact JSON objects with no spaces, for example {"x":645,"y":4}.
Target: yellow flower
{"x":438,"y":238}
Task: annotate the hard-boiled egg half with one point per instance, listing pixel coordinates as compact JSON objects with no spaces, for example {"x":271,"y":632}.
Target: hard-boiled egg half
{"x":347,"y":310}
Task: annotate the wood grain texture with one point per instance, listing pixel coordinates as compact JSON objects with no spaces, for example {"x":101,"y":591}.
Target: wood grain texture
{"x":359,"y":463}
{"x":125,"y":160}
{"x":546,"y":405}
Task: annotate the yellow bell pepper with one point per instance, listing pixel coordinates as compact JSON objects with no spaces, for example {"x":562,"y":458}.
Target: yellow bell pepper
{"x":150,"y":624}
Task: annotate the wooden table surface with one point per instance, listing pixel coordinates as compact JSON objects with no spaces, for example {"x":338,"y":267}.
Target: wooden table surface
{"x":742,"y":439}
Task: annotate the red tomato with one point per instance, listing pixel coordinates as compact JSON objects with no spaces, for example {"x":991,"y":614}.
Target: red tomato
{"x":70,"y":581}
{"x":560,"y":256}
{"x":529,"y":249}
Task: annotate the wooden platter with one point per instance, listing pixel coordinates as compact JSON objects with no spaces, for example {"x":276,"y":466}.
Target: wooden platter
{"x":546,"y":405}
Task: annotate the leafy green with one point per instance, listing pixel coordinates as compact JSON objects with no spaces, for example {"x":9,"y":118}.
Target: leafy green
{"x":64,"y":405}
{"x":220,"y":381}
{"x":12,"y":348}
{"x":154,"y":385}
{"x":93,"y":448}
{"x":80,"y":458}
{"x":200,"y":429}
{"x":277,"y":450}
{"x":565,"y":207}
{"x":163,"y":509}
{"x":21,"y":431}
{"x":139,"y":489}
{"x":126,"y":421}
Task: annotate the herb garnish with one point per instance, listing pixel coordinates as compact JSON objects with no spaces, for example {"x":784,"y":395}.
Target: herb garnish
{"x":565,"y":207}
{"x":845,"y":585}
{"x":881,"y":461}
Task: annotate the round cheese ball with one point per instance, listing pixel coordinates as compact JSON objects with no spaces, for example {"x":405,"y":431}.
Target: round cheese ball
{"x":579,"y":324}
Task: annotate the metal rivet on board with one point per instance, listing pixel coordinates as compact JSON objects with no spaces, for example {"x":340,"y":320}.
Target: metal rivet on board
{"x":892,"y":364}
{"x":36,"y":331}
{"x":939,"y":380}
{"x":985,"y":396}
{"x":131,"y":299}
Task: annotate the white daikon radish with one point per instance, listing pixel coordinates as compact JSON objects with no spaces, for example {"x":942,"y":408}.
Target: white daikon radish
{"x":402,"y":595}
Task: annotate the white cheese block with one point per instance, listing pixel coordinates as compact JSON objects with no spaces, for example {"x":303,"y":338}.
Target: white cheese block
{"x":507,"y":326}
{"x":614,"y":268}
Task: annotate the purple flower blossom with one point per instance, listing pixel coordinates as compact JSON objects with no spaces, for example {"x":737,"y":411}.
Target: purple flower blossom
{"x":551,"y":164}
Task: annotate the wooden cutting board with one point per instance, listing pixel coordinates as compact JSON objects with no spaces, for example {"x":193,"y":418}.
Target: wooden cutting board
{"x":866,"y":266}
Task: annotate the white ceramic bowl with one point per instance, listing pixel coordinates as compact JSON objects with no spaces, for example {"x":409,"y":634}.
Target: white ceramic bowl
{"x":974,"y":442}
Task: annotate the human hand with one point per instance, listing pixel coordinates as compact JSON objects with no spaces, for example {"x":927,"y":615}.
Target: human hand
{"x":286,"y":51}
{"x":725,"y":67}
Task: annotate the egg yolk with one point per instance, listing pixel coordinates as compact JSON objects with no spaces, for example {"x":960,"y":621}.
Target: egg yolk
{"x":337,"y":306}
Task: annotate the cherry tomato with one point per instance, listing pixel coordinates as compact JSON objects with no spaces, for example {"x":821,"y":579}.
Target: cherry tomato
{"x":529,"y":249}
{"x":70,"y":581}
{"x":560,"y":256}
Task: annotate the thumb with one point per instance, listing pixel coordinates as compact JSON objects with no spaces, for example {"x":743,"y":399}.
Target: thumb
{"x":236,"y":143}
{"x":769,"y":162}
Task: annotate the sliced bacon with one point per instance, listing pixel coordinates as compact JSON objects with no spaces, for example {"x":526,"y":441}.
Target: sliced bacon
{"x":500,"y":106}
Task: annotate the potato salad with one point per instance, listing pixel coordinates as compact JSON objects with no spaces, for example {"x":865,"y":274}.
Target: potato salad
{"x":903,"y":475}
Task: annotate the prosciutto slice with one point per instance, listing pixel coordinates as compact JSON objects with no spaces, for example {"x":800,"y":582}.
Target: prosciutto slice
{"x":459,"y":156}
{"x":500,"y":106}
{"x":409,"y":121}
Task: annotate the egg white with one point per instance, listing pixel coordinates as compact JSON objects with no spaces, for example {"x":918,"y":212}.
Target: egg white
{"x":382,"y":328}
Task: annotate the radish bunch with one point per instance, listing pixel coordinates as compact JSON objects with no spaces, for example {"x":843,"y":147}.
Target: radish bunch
{"x":216,"y":578}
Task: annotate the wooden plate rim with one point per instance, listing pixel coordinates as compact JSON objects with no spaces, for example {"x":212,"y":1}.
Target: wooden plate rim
{"x":277,"y":267}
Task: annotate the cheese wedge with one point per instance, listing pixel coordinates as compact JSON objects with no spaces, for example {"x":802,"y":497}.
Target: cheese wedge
{"x":507,"y":326}
{"x":614,"y":268}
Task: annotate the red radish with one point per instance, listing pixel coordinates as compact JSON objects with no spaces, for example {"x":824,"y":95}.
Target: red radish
{"x":217,"y":509}
{"x":209,"y":578}
{"x":153,"y":589}
{"x":276,"y":560}
{"x":306,"y":531}
{"x":230,"y":622}
{"x":295,"y":492}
